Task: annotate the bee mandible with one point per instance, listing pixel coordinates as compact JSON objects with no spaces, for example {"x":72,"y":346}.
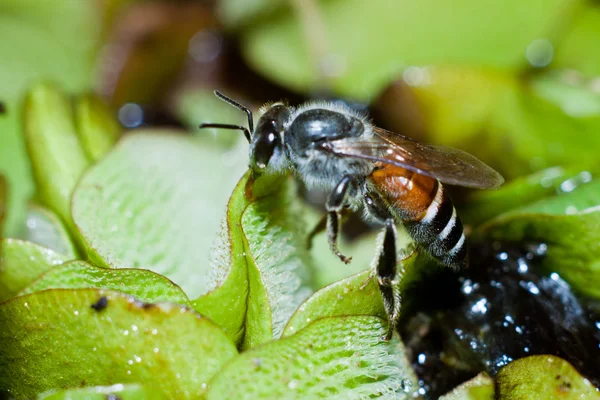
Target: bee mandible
{"x":392,"y":178}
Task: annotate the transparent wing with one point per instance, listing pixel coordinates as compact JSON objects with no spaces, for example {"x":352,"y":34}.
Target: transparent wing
{"x":449,"y":165}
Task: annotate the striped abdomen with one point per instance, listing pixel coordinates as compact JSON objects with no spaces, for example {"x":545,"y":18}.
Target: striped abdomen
{"x":423,"y":206}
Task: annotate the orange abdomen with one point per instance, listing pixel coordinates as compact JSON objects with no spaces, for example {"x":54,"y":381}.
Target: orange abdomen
{"x":409,"y":193}
{"x":422,"y":205}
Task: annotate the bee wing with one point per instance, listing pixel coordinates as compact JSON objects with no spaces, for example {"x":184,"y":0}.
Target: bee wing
{"x":451,"y":166}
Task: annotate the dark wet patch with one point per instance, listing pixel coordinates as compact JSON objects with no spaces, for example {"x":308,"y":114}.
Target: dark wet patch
{"x":457,"y":324}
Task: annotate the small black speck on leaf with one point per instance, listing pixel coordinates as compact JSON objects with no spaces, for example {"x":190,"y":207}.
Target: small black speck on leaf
{"x":148,"y":306}
{"x":101,"y":304}
{"x":2,"y":108}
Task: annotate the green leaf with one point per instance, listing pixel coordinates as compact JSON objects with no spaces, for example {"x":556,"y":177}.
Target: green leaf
{"x":567,"y":224}
{"x":118,"y":391}
{"x":43,"y":227}
{"x":97,"y":126}
{"x":356,"y":295}
{"x":21,"y":262}
{"x":340,"y":298}
{"x":3,"y":200}
{"x":361,"y":61}
{"x":543,"y":377}
{"x":504,"y":120}
{"x":340,"y":357}
{"x":263,"y":243}
{"x":486,"y":204}
{"x":479,"y":388}
{"x":144,"y":285}
{"x":49,"y":41}
{"x":57,"y":158}
{"x":151,"y":203}
{"x":61,"y":338}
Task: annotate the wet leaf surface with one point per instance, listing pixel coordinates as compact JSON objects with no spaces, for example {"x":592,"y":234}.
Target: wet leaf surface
{"x":22,"y":262}
{"x":118,"y":391}
{"x":144,"y":285}
{"x":566,"y":224}
{"x":543,"y":377}
{"x":339,"y":357}
{"x":69,"y":338}
{"x":479,"y":388}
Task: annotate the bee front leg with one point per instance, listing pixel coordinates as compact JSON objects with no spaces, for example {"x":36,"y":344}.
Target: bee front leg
{"x":387,"y":278}
{"x":335,"y":204}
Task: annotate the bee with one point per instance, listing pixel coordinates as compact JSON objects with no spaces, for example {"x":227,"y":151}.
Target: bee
{"x":390,"y":177}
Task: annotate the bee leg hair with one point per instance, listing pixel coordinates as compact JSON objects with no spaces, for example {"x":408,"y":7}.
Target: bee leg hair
{"x":335,"y":204}
{"x":387,"y":278}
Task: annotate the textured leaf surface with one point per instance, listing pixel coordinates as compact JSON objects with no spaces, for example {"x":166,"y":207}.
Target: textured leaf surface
{"x":543,"y":377}
{"x":150,"y":203}
{"x":118,"y":391}
{"x":262,"y":236}
{"x":144,"y":285}
{"x":340,"y":298}
{"x":3,"y":202}
{"x":97,"y":126}
{"x":567,"y":224}
{"x":479,"y":388}
{"x":22,"y":262}
{"x":338,"y":357}
{"x":57,"y":158}
{"x":55,"y":338}
{"x":43,"y":227}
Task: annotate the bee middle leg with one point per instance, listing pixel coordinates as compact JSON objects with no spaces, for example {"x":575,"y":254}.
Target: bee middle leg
{"x":335,"y":203}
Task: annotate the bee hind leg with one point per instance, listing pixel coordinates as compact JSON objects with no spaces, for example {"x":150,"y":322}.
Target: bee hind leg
{"x":335,"y":204}
{"x":386,"y":272}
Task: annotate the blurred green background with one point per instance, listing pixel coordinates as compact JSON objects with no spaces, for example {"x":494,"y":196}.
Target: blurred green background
{"x":516,"y":83}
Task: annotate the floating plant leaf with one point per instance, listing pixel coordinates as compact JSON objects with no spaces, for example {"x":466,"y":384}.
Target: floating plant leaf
{"x":144,"y":285}
{"x":567,"y":224}
{"x":479,"y":388}
{"x":485,"y":204}
{"x":336,"y":357}
{"x":262,"y":243}
{"x":48,"y":41}
{"x":345,"y":297}
{"x":124,"y":392}
{"x":3,"y":202}
{"x":57,"y":158}
{"x":97,"y":126}
{"x":61,"y":338}
{"x":362,"y":61}
{"x":502,"y":119}
{"x":150,"y":203}
{"x":543,"y":377}
{"x":43,"y":227}
{"x":21,"y":262}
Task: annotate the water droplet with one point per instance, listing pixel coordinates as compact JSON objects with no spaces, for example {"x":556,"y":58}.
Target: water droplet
{"x":76,"y":313}
{"x":156,"y":349}
{"x":480,"y":307}
{"x":540,"y":53}
{"x":130,"y":362}
{"x":131,"y":115}
{"x":154,"y":331}
{"x":125,"y":333}
{"x":406,"y":385}
{"x":137,"y":358}
{"x":293,"y":384}
{"x":134,"y":328}
{"x":416,"y":76}
{"x":421,"y":358}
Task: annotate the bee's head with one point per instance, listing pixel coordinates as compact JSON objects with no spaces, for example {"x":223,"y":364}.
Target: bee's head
{"x":266,"y":141}
{"x":266,"y":145}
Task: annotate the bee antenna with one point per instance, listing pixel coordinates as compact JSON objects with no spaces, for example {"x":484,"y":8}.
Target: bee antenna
{"x":238,"y":106}
{"x":228,"y":126}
